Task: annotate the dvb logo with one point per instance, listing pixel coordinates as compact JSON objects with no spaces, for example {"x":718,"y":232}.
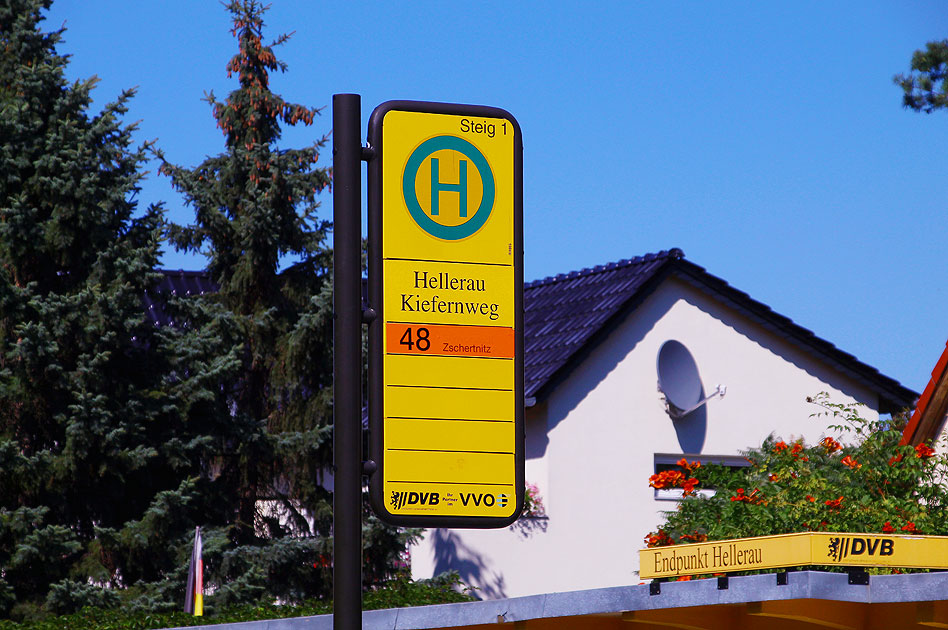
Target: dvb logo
{"x":401,"y":499}
{"x":841,"y":547}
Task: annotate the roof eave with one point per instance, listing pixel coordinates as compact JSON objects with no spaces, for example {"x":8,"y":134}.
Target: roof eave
{"x":893,"y":396}
{"x":928,"y":419}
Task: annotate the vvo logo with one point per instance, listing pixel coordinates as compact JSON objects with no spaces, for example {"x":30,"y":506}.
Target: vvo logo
{"x":841,"y":547}
{"x":448,"y":187}
{"x":401,"y":499}
{"x":488,"y":500}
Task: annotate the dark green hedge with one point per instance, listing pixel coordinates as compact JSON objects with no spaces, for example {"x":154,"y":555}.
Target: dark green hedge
{"x":398,"y":594}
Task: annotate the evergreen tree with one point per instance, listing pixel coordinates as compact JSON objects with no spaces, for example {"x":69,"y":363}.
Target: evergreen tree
{"x":255,"y":205}
{"x":256,"y":220}
{"x":117,"y":437}
{"x":109,"y":427}
{"x":926,"y":88}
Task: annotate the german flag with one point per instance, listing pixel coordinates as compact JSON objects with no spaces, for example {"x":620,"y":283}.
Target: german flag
{"x":194,"y":599}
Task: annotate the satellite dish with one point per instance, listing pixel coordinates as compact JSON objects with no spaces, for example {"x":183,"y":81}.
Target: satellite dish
{"x":679,"y":381}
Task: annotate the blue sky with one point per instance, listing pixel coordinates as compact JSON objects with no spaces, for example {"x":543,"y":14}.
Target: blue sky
{"x":765,"y":139}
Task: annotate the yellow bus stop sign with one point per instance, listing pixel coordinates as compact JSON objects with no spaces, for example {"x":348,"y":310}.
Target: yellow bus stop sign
{"x":446,"y":347}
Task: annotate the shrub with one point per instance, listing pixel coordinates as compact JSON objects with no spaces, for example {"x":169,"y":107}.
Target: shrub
{"x":862,"y":480}
{"x":443,"y":589}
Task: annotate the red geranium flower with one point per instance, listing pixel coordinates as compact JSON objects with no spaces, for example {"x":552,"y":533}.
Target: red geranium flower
{"x":924,"y":451}
{"x":887,"y":528}
{"x":834,"y":504}
{"x":910,"y":528}
{"x":659,"y":539}
{"x":797,"y":449}
{"x":696,"y":537}
{"x":689,"y":486}
{"x":666,"y":479}
{"x":689,"y":467}
{"x":739,"y":495}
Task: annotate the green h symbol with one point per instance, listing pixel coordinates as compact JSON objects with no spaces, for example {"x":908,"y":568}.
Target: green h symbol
{"x":437,"y":186}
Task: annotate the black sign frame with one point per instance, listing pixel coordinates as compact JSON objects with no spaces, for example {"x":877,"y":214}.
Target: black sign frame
{"x":376,"y":302}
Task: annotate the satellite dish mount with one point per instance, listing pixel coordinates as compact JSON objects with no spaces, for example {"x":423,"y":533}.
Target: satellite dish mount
{"x":679,"y":381}
{"x":676,"y":413}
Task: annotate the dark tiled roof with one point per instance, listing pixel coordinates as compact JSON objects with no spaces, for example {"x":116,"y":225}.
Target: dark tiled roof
{"x":564,"y":313}
{"x":566,"y":316}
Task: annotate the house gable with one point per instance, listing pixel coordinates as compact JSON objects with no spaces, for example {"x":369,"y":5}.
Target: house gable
{"x":568,"y":315}
{"x":600,"y":426}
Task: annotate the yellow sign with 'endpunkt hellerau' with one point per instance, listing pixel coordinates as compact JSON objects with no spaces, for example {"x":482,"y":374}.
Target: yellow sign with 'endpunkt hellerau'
{"x":446,"y":417}
{"x":792,"y":550}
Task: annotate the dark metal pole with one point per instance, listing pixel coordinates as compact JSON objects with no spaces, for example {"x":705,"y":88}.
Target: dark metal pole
{"x":347,"y":361}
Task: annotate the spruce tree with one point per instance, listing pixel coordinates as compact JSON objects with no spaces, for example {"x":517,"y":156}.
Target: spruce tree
{"x":256,"y":220}
{"x":117,"y":437}
{"x":255,"y":207}
{"x":111,"y":429}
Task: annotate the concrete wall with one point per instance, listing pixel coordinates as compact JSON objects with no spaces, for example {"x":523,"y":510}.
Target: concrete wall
{"x":591,"y":444}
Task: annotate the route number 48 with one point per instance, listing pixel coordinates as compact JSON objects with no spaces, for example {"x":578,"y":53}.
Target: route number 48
{"x":421,"y":339}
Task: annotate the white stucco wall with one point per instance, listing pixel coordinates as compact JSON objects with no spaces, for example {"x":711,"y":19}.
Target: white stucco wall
{"x":941,"y":442}
{"x":591,"y":444}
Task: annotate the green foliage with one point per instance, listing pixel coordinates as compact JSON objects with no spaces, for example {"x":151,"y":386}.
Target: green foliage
{"x":256,"y":220}
{"x":925,"y":89}
{"x":118,"y":437}
{"x":255,"y":209}
{"x":866,"y":482}
{"x":67,"y":596}
{"x":532,"y":502}
{"x":444,"y":589}
{"x":101,"y":414}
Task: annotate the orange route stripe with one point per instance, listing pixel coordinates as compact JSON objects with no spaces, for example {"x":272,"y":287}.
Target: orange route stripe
{"x":451,"y":341}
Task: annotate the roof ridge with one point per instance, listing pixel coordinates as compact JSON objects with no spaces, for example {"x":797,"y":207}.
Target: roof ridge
{"x":674,"y":253}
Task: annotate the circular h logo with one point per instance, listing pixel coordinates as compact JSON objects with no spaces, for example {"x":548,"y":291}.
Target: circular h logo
{"x":445,"y":196}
